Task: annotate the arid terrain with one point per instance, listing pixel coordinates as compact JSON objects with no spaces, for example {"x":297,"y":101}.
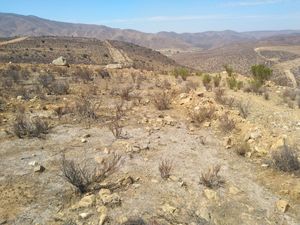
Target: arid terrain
{"x":117,"y":136}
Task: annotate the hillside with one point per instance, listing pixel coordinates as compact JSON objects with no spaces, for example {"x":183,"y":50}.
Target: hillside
{"x":18,"y":25}
{"x":44,"y":50}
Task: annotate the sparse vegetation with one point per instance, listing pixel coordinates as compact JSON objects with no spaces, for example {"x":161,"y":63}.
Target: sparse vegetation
{"x":228,"y":70}
{"x":260,"y":74}
{"x":286,"y":158}
{"x":165,"y":168}
{"x":211,"y":177}
{"x":226,"y":124}
{"x":59,"y":87}
{"x":83,"y":175}
{"x":181,"y":72}
{"x":206,"y":79}
{"x":116,"y":128}
{"x":200,"y":114}
{"x":242,"y":147}
{"x":162,"y":100}
{"x":217,"y":80}
{"x":244,"y":108}
{"x":29,"y":126}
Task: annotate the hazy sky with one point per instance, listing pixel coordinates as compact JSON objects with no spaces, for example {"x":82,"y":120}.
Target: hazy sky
{"x":166,"y":15}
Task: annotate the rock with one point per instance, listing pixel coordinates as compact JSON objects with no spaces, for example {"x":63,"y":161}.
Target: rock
{"x":278,"y":144}
{"x":60,"y":61}
{"x":207,"y":124}
{"x":83,"y":140}
{"x":228,"y":142}
{"x":33,"y":163}
{"x":39,"y":169}
{"x":173,"y":178}
{"x":183,"y":95}
{"x":203,"y":213}
{"x":264,"y":165}
{"x":102,"y":210}
{"x":86,"y":136}
{"x":234,"y":190}
{"x":85,"y":202}
{"x":154,"y":181}
{"x":168,"y":208}
{"x":122,"y":219}
{"x":3,"y":221}
{"x":282,"y":205}
{"x":109,"y":199}
{"x":170,"y":121}
{"x":20,"y":97}
{"x":84,"y":215}
{"x":126,"y":181}
{"x":254,"y":135}
{"x":200,"y":94}
{"x":106,"y":151}
{"x":210,"y":194}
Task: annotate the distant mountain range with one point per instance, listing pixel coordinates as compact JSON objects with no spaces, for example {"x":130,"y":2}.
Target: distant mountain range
{"x":18,"y":25}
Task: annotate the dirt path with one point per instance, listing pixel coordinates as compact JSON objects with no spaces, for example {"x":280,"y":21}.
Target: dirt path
{"x":118,"y":55}
{"x":13,"y":41}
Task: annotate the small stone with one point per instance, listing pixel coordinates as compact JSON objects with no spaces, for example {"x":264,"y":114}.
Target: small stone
{"x":106,"y":151}
{"x":109,"y":199}
{"x":207,"y":124}
{"x":173,"y":178}
{"x":154,"y":181}
{"x":168,"y":208}
{"x":264,"y":165}
{"x":83,"y":140}
{"x":33,"y":163}
{"x":102,"y":210}
{"x":20,"y":97}
{"x":39,"y":169}
{"x":282,"y":205}
{"x":85,"y":202}
{"x":122,"y":219}
{"x":210,"y":194}
{"x":84,"y":215}
{"x":234,"y":190}
{"x":136,"y":185}
{"x":86,"y":136}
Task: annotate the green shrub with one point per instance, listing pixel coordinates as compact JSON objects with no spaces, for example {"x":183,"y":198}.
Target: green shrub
{"x":182,"y":72}
{"x":232,"y":82}
{"x":206,"y":79}
{"x":228,"y":70}
{"x":217,"y":80}
{"x":261,"y":73}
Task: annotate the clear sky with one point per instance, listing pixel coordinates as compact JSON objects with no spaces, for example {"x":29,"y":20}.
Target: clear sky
{"x":166,"y":15}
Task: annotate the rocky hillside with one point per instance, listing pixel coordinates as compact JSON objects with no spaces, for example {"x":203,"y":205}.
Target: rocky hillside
{"x":82,"y":51}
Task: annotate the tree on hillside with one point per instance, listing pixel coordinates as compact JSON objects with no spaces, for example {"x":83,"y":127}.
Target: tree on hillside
{"x":261,"y":73}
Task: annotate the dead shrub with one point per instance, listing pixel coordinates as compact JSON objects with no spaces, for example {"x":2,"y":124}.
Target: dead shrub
{"x":298,"y":102}
{"x":242,"y":147}
{"x":285,"y":158}
{"x":83,"y":74}
{"x":217,"y":80}
{"x":211,"y":177}
{"x":125,"y":92}
{"x":290,"y":93}
{"x":166,"y":85}
{"x":244,"y":108}
{"x":290,"y":104}
{"x":266,"y":95}
{"x":59,"y":88}
{"x":191,"y":85}
{"x":46,"y":80}
{"x":226,"y":124}
{"x":219,"y":95}
{"x":165,"y":168}
{"x":116,"y":128}
{"x":85,"y":109}
{"x":83,"y":175}
{"x":30,"y":127}
{"x":2,"y":104}
{"x":162,"y":100}
{"x":200,"y":114}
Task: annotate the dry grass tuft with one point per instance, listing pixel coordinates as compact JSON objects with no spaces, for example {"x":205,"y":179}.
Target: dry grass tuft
{"x":211,"y":178}
{"x":200,"y":114}
{"x":226,"y":124}
{"x":162,"y":100}
{"x":165,"y":168}
{"x":286,"y":159}
{"x":82,"y":176}
{"x":244,"y":108}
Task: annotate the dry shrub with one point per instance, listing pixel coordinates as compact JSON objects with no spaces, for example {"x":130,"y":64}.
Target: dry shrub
{"x":162,"y":100}
{"x":206,"y":79}
{"x":2,"y":104}
{"x":82,"y":176}
{"x":286,"y":158}
{"x":217,"y":80}
{"x":211,"y":178}
{"x":125,"y":92}
{"x":46,"y":80}
{"x":244,"y":108}
{"x":290,"y":104}
{"x":59,"y":87}
{"x":219,"y":95}
{"x":266,"y":95}
{"x":30,"y":127}
{"x":289,"y":93}
{"x":226,"y":124}
{"x":116,"y":128}
{"x":200,"y":114}
{"x":165,"y":168}
{"x":85,"y":109}
{"x":83,"y":74}
{"x":242,"y":147}
{"x":298,"y":102}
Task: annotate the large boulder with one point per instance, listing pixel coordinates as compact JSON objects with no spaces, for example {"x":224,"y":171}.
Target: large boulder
{"x":60,"y":61}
